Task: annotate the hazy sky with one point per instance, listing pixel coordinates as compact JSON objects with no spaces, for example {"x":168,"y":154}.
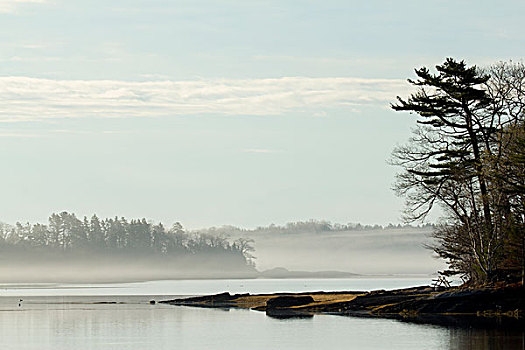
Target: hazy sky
{"x":221,"y":112}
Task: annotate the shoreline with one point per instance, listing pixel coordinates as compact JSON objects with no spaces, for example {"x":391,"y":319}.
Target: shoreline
{"x":454,"y":306}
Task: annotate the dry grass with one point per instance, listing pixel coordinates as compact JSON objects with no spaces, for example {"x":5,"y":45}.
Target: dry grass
{"x":253,"y":301}
{"x":326,"y":299}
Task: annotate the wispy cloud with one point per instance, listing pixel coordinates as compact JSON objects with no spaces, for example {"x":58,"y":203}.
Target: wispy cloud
{"x":23,"y":98}
{"x":8,"y":6}
{"x":18,"y":135}
{"x":32,"y":59}
{"x":32,"y":46}
{"x":259,"y":150}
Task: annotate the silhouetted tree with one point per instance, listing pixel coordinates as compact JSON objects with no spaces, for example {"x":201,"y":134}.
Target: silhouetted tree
{"x":462,"y":115}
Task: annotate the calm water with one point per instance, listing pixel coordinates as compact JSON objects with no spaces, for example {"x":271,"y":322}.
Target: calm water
{"x":67,"y":317}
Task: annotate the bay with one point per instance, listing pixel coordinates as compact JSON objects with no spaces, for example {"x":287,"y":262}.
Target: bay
{"x":119,"y":316}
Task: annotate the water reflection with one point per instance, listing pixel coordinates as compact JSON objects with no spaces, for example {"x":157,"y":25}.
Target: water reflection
{"x":486,"y":339}
{"x":476,"y":333}
{"x":80,"y":323}
{"x":279,"y":315}
{"x":468,"y":322}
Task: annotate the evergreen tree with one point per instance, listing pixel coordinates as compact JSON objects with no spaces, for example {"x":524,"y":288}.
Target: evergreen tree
{"x":96,"y":233}
{"x":461,"y":116}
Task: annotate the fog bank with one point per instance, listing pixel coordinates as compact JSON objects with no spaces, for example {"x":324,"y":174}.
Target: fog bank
{"x":375,"y":251}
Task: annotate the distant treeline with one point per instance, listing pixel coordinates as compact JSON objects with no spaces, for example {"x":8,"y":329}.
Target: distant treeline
{"x":66,"y":233}
{"x":310,"y":226}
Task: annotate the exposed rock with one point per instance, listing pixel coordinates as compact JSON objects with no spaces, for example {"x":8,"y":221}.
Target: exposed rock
{"x":454,"y":306}
{"x":288,"y":301}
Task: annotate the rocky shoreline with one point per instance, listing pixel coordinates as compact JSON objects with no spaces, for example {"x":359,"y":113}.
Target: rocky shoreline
{"x":456,"y":306}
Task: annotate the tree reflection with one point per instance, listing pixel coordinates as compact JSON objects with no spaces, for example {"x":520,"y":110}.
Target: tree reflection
{"x":486,"y":339}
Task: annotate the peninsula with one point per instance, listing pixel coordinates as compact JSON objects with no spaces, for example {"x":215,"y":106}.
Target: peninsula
{"x":488,"y":305}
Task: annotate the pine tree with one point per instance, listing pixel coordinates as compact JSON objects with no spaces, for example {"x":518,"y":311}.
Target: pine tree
{"x":443,"y":164}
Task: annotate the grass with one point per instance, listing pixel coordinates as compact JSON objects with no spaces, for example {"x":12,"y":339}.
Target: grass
{"x":253,"y":301}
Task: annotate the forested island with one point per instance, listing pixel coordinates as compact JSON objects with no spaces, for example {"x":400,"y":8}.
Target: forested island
{"x":114,"y":249}
{"x":301,"y":249}
{"x":145,"y":250}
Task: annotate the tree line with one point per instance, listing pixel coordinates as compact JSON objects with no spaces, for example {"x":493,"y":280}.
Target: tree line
{"x":311,"y":226}
{"x":467,"y":156}
{"x":67,"y":233}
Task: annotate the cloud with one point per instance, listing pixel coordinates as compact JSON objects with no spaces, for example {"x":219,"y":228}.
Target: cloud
{"x":259,"y":150}
{"x":24,"y":98}
{"x":32,"y":59}
{"x":9,"y":6}
{"x":32,"y":46}
{"x":17,"y":135}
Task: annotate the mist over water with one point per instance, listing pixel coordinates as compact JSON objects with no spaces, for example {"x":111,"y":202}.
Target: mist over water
{"x":377,"y":251}
{"x":68,"y":249}
{"x":116,"y":250}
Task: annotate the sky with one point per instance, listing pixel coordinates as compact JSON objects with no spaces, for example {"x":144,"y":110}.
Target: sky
{"x":222,"y":112}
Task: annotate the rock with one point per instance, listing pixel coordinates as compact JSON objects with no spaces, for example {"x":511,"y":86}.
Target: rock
{"x":288,"y":301}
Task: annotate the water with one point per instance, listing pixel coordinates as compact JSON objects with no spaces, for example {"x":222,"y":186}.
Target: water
{"x":71,"y":317}
{"x":203,"y":287}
